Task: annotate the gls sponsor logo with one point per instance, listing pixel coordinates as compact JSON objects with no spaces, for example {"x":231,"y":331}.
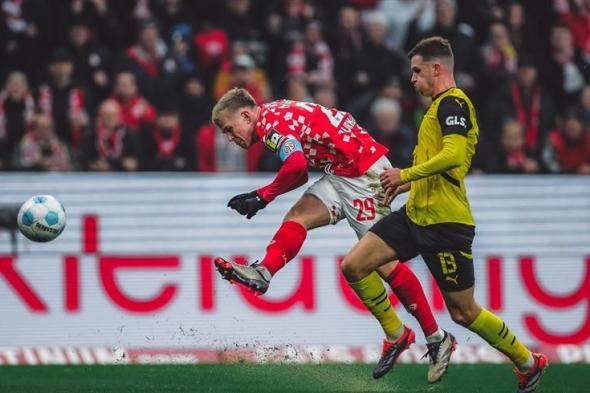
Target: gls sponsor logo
{"x":456,"y":121}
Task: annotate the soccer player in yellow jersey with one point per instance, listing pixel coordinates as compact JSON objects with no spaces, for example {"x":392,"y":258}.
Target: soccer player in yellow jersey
{"x":436,"y":222}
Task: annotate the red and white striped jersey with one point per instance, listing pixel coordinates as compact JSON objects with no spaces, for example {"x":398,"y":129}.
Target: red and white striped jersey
{"x":331,"y":139}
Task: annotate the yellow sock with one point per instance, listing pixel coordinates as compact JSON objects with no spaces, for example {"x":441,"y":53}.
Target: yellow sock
{"x":492,"y":329}
{"x":372,"y":293}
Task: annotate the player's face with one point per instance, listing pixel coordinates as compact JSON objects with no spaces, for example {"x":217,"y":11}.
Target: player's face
{"x":238,"y":127}
{"x":422,"y":76}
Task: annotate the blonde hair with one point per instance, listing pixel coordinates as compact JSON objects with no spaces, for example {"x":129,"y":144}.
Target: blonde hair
{"x":231,"y":101}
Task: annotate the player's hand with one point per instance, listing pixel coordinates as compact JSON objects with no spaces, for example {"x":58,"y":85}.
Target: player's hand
{"x":391,"y":193}
{"x":391,"y":178}
{"x":247,"y":204}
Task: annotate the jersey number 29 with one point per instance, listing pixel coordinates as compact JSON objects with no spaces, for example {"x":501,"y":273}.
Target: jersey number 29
{"x":366,"y":209}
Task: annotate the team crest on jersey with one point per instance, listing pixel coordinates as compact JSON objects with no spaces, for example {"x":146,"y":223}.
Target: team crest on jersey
{"x":273,"y":140}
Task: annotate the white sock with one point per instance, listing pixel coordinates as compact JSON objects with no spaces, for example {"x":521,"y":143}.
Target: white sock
{"x":435,"y":337}
{"x":529,"y":363}
{"x":397,"y":334}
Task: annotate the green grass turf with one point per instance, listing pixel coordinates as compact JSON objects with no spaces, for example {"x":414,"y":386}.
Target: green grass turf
{"x":480,"y":378}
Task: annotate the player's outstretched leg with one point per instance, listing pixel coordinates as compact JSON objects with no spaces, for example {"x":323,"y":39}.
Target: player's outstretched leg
{"x":283,"y":247}
{"x":254,"y":277}
{"x":406,"y":286}
{"x":439,"y":356}
{"x":528,"y":381}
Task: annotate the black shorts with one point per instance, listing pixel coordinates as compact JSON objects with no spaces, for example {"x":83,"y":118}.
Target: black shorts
{"x":446,"y":248}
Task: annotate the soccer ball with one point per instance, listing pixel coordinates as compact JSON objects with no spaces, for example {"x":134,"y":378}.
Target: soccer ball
{"x":41,"y":218}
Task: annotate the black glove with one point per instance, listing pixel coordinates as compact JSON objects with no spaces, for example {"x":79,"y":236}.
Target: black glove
{"x":247,"y":204}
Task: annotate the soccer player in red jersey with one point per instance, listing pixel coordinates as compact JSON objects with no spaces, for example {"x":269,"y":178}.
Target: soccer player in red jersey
{"x":304,"y":134}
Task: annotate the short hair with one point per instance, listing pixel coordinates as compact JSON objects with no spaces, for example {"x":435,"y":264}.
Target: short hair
{"x":386,"y":104}
{"x":431,"y":48}
{"x":231,"y":101}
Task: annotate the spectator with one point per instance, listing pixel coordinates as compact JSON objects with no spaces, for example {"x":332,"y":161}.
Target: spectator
{"x":467,"y":60}
{"x":524,"y":99}
{"x":64,"y":100}
{"x":212,"y":47}
{"x":388,"y":129}
{"x":283,"y":25}
{"x":311,"y":57}
{"x":393,"y":89}
{"x":40,"y":149}
{"x":512,"y":156}
{"x":24,"y":35}
{"x":17,"y":108}
{"x":522,"y":30}
{"x":296,"y":15}
{"x":564,"y":70}
{"x":577,"y":19}
{"x":195,"y":103}
{"x":584,"y":103}
{"x":217,"y":154}
{"x":377,"y":63}
{"x":499,"y":57}
{"x":297,"y":89}
{"x":195,"y":111}
{"x":136,"y":111}
{"x":164,"y":150}
{"x":143,"y":58}
{"x":419,"y":110}
{"x":348,"y":41}
{"x":171,"y":14}
{"x":570,"y":144}
{"x":243,"y":73}
{"x":236,"y":21}
{"x":400,"y":13}
{"x":325,"y":96}
{"x":527,"y":59}
{"x":110,"y":146}
{"x":92,"y":61}
{"x":178,"y":62}
{"x":115,"y":25}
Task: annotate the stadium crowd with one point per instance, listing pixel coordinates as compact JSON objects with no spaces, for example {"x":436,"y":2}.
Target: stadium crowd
{"x":109,"y":85}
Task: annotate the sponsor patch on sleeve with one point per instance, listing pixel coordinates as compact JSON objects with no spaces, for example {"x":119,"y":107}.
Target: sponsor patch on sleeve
{"x":453,"y":116}
{"x":273,"y":140}
{"x":289,"y":146}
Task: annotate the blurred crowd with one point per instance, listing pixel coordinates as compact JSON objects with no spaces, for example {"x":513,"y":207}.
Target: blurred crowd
{"x":128,"y":85}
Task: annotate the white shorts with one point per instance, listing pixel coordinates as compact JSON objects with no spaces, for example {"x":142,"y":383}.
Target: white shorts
{"x":358,"y":199}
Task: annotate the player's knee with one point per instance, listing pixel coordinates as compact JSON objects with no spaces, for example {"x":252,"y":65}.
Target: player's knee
{"x":463,"y":315}
{"x":308,"y":221}
{"x":351,"y":270}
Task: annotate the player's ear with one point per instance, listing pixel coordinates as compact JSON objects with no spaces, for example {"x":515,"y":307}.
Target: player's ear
{"x":436,"y":68}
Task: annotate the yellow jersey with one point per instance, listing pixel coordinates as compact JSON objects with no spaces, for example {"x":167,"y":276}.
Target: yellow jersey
{"x":446,"y":144}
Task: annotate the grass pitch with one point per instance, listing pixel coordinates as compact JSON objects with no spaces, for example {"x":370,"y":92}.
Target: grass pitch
{"x":478,"y":378}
